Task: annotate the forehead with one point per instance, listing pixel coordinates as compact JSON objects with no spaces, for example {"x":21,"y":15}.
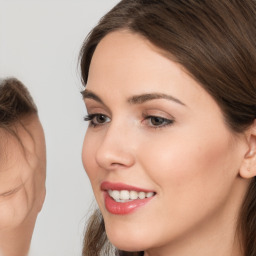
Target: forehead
{"x":124,"y":49}
{"x":125,"y":63}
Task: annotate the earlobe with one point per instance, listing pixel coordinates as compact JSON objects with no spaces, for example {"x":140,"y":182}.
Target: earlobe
{"x":248,"y":168}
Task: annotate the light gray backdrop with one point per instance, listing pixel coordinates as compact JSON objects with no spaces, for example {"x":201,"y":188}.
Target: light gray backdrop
{"x":39,"y":44}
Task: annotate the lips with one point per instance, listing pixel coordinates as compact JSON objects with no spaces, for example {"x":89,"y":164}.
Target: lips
{"x":124,"y":199}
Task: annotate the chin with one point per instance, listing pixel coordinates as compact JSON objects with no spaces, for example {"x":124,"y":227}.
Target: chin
{"x":127,"y":246}
{"x":128,"y":241}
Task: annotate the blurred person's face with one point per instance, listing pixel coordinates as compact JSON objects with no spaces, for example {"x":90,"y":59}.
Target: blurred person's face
{"x":163,"y":164}
{"x":22,"y":173}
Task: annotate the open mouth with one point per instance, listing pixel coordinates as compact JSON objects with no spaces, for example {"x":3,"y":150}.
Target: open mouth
{"x":123,"y":196}
{"x":123,"y":199}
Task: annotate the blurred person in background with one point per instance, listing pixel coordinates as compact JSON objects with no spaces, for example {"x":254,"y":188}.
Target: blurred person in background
{"x":22,"y":167}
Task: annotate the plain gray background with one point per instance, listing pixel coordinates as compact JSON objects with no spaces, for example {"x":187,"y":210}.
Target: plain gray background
{"x":39,"y":44}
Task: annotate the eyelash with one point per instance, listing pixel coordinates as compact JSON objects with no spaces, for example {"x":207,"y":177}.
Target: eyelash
{"x":90,"y":118}
{"x":166,"y":122}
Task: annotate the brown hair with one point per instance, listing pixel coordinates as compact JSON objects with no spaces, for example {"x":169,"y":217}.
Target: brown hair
{"x":15,"y":103}
{"x":215,"y":41}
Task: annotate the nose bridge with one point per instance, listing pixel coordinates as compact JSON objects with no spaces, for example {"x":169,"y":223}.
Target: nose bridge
{"x":115,"y":149}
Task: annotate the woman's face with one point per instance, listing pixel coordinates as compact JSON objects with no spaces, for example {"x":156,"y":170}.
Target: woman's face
{"x":159,"y":141}
{"x":22,"y":174}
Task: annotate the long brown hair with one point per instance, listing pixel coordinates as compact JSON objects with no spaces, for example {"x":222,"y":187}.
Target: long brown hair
{"x":215,"y":41}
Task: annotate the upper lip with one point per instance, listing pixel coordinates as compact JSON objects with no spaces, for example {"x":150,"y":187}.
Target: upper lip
{"x":120,"y":186}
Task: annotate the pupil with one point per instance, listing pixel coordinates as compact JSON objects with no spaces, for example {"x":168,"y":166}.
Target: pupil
{"x":101,"y":119}
{"x":157,"y":121}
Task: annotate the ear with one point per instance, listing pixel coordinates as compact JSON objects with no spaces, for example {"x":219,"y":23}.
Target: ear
{"x":248,"y":167}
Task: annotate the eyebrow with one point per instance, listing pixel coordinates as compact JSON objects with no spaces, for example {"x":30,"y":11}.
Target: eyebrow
{"x":90,"y":95}
{"x":139,"y":99}
{"x":136,"y":99}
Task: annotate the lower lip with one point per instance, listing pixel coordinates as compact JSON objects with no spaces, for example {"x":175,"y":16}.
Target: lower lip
{"x":123,"y":208}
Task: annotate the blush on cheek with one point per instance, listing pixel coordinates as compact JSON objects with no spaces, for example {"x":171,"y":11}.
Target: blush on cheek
{"x":196,"y":162}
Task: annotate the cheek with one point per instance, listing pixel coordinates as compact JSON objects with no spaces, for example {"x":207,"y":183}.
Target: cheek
{"x":13,"y":209}
{"x":191,"y":169}
{"x":86,"y":154}
{"x":90,"y":165}
{"x":13,"y":200}
{"x":34,"y":176}
{"x":189,"y":175}
{"x":88,"y":157}
{"x":29,"y":196}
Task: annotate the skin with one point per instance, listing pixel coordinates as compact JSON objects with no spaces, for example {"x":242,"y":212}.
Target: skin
{"x":194,"y":164}
{"x":22,"y":189}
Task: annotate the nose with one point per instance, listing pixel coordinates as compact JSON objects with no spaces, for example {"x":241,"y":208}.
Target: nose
{"x":116,"y":149}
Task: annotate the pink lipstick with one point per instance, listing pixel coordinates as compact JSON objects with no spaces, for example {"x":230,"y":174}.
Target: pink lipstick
{"x":124,"y":199}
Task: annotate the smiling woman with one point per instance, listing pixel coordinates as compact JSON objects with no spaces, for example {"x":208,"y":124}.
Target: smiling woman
{"x":171,"y":145}
{"x":22,"y":168}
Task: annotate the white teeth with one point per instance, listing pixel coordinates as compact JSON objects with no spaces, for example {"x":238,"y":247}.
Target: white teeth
{"x":110,"y":192}
{"x":125,"y":195}
{"x":115,"y":194}
{"x":149,"y":194}
{"x":142,"y":195}
{"x":133,"y":195}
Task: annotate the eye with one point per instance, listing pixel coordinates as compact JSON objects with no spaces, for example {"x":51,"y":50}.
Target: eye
{"x":157,"y":121}
{"x":97,"y":119}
